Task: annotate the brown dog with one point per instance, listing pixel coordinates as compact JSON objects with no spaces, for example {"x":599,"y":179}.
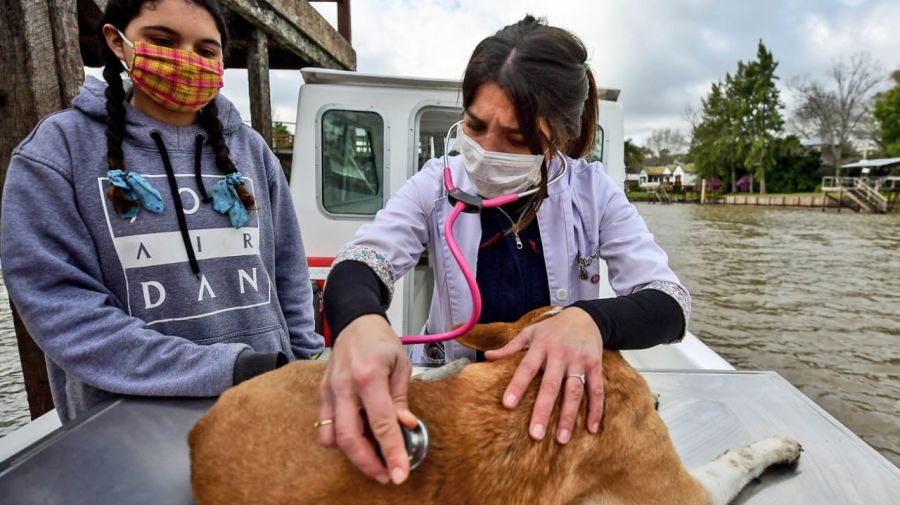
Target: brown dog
{"x":258,"y":445}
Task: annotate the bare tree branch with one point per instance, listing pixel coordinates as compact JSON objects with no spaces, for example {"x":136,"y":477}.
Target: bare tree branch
{"x":665,"y":145}
{"x":838,"y":113}
{"x":692,"y":115}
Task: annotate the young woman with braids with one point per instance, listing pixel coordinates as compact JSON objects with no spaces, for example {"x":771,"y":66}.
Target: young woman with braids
{"x":149,"y":241}
{"x":530,"y":108}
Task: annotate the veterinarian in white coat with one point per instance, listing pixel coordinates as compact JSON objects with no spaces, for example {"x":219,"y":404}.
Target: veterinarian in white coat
{"x":530,"y":111}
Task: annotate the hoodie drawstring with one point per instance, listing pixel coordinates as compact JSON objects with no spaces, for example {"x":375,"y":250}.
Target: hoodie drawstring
{"x":198,"y":151}
{"x":176,"y":196}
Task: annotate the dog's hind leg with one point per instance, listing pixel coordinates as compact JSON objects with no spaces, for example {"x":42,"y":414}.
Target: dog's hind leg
{"x":727,"y":475}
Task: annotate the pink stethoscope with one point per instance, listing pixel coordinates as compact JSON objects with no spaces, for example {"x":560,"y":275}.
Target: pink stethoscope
{"x":467,"y":202}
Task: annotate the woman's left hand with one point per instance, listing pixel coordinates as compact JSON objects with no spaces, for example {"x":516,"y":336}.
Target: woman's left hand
{"x":568,"y":346}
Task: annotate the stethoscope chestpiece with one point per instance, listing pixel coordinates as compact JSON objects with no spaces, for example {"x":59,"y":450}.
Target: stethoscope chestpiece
{"x":416,"y":441}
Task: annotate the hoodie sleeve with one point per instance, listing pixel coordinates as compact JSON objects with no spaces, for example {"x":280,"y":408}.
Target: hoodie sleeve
{"x":291,"y":269}
{"x":54,"y":277}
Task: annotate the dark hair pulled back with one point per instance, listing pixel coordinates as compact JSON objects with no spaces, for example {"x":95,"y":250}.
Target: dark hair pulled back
{"x":544,"y":71}
{"x":119,"y":13}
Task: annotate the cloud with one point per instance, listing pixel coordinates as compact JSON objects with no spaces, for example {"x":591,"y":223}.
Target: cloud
{"x":427,"y":39}
{"x":663,"y":55}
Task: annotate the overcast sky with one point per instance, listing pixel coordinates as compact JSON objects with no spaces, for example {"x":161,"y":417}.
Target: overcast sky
{"x":662,"y":54}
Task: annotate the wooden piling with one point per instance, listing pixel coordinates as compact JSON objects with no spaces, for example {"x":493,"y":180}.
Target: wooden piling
{"x":344,"y":19}
{"x":258,"y":79}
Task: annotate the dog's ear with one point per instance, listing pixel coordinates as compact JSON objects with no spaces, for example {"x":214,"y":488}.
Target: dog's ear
{"x":487,"y":337}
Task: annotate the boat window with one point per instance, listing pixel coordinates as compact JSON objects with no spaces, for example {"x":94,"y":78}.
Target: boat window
{"x":352,"y":162}
{"x":597,"y":155}
{"x":432,"y":127}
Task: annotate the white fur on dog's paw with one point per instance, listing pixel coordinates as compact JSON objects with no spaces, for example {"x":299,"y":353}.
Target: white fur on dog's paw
{"x":764,"y":453}
{"x":786,"y":452}
{"x":724,"y":478}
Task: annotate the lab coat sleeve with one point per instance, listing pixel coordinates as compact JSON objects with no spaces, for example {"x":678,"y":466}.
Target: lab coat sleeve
{"x":392,"y":244}
{"x":634,"y":259}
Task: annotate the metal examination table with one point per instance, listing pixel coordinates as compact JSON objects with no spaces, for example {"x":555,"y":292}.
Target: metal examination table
{"x":134,"y":451}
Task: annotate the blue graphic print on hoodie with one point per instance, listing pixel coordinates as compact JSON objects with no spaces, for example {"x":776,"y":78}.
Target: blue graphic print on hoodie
{"x":116,"y":304}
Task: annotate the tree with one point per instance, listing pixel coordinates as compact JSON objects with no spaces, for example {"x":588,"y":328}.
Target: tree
{"x":797,"y":166}
{"x":280,"y":128}
{"x":691,"y":115}
{"x":719,"y":141}
{"x":760,"y":111}
{"x":835,"y":113}
{"x":713,"y":145}
{"x":738,"y":123}
{"x":887,"y":112}
{"x":634,"y":157}
{"x":665,"y":145}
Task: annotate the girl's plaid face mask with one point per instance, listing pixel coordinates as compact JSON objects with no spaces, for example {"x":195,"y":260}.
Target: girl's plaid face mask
{"x":179,"y":80}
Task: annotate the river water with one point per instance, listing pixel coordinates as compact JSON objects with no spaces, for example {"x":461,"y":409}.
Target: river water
{"x":812,"y":295}
{"x":13,"y":403}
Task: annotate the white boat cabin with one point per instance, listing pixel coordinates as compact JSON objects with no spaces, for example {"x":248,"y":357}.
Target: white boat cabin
{"x":358,"y":137}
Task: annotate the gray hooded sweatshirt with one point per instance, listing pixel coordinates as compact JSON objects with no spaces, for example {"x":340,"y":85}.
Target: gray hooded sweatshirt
{"x":115,"y":304}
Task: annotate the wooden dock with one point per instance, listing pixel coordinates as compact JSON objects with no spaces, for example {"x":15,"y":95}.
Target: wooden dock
{"x":781,"y":201}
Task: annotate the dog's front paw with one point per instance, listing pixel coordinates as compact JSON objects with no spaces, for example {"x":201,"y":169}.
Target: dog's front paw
{"x":781,"y":450}
{"x":790,"y":452}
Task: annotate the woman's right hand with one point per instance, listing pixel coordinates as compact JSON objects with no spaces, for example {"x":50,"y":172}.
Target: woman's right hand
{"x":368,"y":370}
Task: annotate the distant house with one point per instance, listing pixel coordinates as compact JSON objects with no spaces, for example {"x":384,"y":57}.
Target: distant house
{"x":675,"y":177}
{"x":685,"y":177}
{"x":632,"y":181}
{"x":652,"y":177}
{"x":883,"y":173}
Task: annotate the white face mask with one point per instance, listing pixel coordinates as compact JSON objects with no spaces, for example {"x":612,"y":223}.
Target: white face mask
{"x":494,"y":173}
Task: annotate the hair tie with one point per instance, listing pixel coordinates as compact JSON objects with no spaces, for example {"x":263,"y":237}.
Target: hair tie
{"x":226,"y":200}
{"x":235,"y":179}
{"x":137,"y":189}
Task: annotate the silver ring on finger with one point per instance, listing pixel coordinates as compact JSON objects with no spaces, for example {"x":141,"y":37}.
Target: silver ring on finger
{"x":579,"y":377}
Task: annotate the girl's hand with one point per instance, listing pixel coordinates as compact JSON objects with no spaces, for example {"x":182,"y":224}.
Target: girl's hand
{"x":567,"y":346}
{"x":368,"y":370}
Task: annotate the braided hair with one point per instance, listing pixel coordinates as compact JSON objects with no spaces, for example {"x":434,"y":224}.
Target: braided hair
{"x":115,"y":131}
{"x":209,"y":121}
{"x":119,"y":13}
